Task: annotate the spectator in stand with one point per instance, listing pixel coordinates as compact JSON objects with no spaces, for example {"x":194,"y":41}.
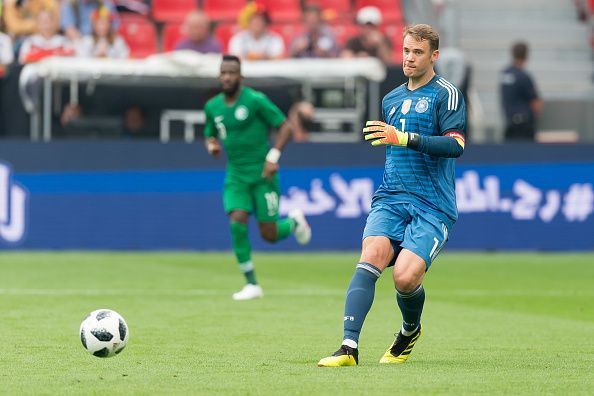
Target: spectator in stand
{"x":317,"y":41}
{"x":256,"y":41}
{"x":76,"y":16}
{"x":370,"y":41}
{"x":20,"y":17}
{"x":198,"y":34}
{"x":519,"y":97}
{"x":6,"y":53}
{"x":104,"y":42}
{"x":46,"y":42}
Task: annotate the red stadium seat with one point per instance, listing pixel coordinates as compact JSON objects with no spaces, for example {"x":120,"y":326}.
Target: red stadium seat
{"x":171,"y":35}
{"x":172,"y":10}
{"x":288,"y":31}
{"x":391,"y":9}
{"x":141,"y":37}
{"x":339,"y":5}
{"x":127,"y":17}
{"x":283,"y":10}
{"x":335,"y":10}
{"x":224,"y":32}
{"x":223,"y":10}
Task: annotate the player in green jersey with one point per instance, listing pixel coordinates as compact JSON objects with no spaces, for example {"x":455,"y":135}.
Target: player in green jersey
{"x":241,"y":118}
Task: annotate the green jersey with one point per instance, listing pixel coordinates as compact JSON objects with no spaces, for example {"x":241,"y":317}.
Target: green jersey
{"x":243,"y":128}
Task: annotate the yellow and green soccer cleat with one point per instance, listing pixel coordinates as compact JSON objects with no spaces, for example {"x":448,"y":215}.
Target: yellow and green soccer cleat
{"x":345,"y":356}
{"x":401,"y":348}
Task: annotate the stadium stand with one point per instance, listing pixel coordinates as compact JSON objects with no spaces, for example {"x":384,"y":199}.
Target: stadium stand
{"x":223,"y":10}
{"x":141,"y":36}
{"x":171,"y":35}
{"x":391,"y":9}
{"x":288,"y":31}
{"x":160,"y":30}
{"x":282,"y":11}
{"x":343,"y":32}
{"x":339,"y":11}
{"x":172,"y":10}
{"x":127,"y":17}
{"x":224,"y":32}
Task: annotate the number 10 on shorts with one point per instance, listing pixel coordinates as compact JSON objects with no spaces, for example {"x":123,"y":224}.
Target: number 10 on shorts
{"x":271,"y":202}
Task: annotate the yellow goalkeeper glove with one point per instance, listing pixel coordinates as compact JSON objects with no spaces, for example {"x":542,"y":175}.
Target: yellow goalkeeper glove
{"x":381,"y":133}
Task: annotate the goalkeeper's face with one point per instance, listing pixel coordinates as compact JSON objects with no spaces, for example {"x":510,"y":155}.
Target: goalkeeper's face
{"x":230,"y":77}
{"x":418,"y":58}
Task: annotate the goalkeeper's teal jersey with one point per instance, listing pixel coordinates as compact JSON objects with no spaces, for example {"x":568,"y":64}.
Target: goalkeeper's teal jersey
{"x":414,"y":177}
{"x":243,"y":127}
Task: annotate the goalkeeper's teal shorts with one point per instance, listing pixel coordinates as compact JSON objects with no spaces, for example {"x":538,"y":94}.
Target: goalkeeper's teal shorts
{"x":409,"y":228}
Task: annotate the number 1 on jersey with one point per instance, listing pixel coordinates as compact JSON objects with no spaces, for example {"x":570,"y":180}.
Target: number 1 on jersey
{"x":402,"y":122}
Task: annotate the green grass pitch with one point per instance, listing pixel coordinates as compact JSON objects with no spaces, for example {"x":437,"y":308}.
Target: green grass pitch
{"x":494,"y":324}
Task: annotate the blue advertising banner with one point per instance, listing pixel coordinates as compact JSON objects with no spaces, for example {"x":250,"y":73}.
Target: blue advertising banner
{"x":501,"y":206}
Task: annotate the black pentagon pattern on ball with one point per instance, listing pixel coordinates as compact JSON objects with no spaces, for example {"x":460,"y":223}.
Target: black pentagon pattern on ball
{"x":83,"y":339}
{"x":102,"y":352}
{"x":102,"y":315}
{"x":102,"y":334}
{"x":120,"y":350}
{"x":123,"y":330}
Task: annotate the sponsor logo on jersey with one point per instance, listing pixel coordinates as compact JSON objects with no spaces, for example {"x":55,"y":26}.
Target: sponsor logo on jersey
{"x":241,"y":113}
{"x":422,"y":106}
{"x":406,"y":106}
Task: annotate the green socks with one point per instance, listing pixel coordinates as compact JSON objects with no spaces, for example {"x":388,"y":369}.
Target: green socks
{"x":243,"y":250}
{"x":285,"y":228}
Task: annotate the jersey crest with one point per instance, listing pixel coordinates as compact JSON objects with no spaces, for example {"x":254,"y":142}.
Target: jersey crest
{"x":241,"y":113}
{"x":422,"y":106}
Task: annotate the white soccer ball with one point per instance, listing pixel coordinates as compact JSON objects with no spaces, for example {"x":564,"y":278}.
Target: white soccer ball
{"x":104,"y":333}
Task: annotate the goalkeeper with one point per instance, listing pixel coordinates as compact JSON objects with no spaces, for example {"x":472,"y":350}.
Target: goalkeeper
{"x":241,"y":118}
{"x":414,"y":209}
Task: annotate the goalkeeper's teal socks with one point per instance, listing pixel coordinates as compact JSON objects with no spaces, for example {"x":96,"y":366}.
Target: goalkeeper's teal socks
{"x":284,"y":228}
{"x":359,"y":298}
{"x":243,"y":250}
{"x":411,"y":306}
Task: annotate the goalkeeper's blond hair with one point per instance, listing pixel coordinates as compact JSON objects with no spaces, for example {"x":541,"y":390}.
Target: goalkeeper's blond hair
{"x":421,"y":32}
